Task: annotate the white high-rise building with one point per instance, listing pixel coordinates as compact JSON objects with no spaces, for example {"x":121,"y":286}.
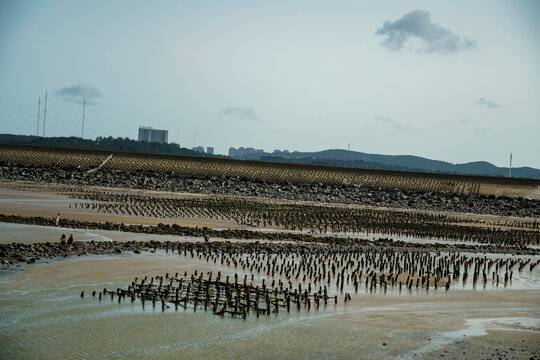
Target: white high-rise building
{"x":153,"y":135}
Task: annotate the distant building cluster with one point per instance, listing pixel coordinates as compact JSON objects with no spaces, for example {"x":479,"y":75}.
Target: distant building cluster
{"x":200,"y":149}
{"x":244,"y":151}
{"x":153,"y":135}
{"x":281,"y":152}
{"x":150,"y":134}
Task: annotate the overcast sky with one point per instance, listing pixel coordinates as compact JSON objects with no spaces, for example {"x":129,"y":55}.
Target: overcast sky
{"x":457,"y":81}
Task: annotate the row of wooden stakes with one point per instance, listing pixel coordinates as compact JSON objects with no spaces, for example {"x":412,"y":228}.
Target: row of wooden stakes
{"x":222,"y":297}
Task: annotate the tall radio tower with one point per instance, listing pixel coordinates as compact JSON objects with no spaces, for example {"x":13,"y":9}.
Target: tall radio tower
{"x":83,"y":111}
{"x":45,"y":114}
{"x":510,"y":168}
{"x":38,"y":111}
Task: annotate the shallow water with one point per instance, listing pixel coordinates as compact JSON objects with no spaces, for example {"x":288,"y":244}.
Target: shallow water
{"x":23,"y":233}
{"x":33,"y":233}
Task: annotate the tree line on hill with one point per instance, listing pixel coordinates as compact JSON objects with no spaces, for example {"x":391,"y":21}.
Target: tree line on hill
{"x":354,"y":159}
{"x":101,"y":143}
{"x":334,"y":157}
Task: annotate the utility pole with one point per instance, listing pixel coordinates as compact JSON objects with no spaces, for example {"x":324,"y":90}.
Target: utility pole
{"x":83,"y":111}
{"x":45,"y":114}
{"x":38,"y":111}
{"x":510,"y":168}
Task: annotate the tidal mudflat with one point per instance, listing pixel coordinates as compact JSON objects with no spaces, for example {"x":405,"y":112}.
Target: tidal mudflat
{"x":278,"y":278}
{"x":44,"y":316}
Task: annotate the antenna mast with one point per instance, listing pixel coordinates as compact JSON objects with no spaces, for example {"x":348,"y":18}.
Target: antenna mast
{"x":38,"y":111}
{"x":45,"y":114}
{"x":510,"y":168}
{"x":83,"y":111}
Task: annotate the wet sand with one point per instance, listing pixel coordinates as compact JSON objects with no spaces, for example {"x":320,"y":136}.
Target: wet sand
{"x":44,"y":317}
{"x":46,"y":201}
{"x":48,"y":204}
{"x":499,"y":344}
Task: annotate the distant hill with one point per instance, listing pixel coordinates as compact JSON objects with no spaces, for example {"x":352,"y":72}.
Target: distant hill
{"x":354,"y":159}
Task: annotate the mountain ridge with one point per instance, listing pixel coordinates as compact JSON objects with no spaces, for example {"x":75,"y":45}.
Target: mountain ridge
{"x":348,"y":158}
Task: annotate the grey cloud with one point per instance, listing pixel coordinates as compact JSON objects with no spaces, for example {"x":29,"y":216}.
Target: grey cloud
{"x":390,"y":122}
{"x":274,"y":131}
{"x":399,"y":127}
{"x":77,"y":93}
{"x":243,"y":113}
{"x":464,"y":121}
{"x":489,"y":104}
{"x":482,"y":130}
{"x":384,"y":120}
{"x":418,"y":24}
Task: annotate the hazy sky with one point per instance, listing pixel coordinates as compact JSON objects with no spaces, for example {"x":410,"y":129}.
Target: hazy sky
{"x":450,"y":80}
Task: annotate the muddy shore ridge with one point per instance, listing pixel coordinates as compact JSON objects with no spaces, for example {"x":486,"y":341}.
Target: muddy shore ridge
{"x":437,"y":199}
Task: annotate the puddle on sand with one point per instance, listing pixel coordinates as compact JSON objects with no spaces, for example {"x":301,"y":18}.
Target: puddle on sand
{"x":475,"y":327}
